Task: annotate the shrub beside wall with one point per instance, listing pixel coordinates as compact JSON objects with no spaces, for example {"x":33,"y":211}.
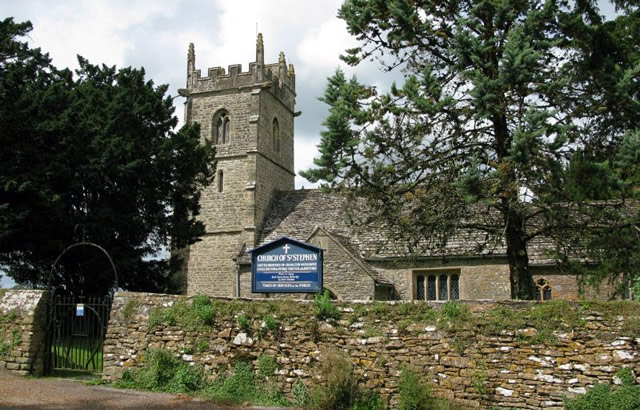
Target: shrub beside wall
{"x":508,"y":354}
{"x":22,"y":330}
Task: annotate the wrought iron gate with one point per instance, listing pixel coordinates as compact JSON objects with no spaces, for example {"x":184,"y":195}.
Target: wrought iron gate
{"x":77,"y":328}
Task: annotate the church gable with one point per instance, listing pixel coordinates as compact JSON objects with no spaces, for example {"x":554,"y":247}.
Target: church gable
{"x":345,"y":275}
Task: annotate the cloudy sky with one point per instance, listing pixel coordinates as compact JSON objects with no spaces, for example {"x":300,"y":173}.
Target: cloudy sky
{"x":155,"y":35}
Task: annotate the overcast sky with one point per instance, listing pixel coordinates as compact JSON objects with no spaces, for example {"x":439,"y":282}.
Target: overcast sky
{"x":155,"y":34}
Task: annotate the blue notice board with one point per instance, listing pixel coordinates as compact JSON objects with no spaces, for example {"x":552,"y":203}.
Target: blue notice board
{"x":286,"y":266}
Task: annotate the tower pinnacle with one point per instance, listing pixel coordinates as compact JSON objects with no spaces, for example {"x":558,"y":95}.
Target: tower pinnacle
{"x":260,"y":51}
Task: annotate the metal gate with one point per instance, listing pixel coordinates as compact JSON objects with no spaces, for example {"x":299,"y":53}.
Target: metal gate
{"x":77,"y":328}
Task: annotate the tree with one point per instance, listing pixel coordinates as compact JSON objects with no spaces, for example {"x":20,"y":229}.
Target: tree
{"x":499,"y":97}
{"x":92,"y":157}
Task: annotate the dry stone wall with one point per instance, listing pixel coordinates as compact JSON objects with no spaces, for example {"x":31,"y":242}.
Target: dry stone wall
{"x":480,"y":354}
{"x":22,"y":330}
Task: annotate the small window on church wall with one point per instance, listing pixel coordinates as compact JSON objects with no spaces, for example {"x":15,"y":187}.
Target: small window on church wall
{"x":455,"y":287}
{"x":444,"y":294}
{"x":275,"y":134}
{"x":420,"y":287}
{"x":431,"y":288}
{"x":220,"y":128}
{"x":220,"y":181}
{"x":445,"y":286}
{"x":543,"y":290}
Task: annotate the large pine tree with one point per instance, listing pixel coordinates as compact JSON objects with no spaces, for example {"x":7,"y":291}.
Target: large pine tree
{"x":499,"y":97}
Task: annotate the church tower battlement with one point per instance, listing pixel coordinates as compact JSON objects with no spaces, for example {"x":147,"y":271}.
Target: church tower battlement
{"x":249,"y":117}
{"x":277,"y":76}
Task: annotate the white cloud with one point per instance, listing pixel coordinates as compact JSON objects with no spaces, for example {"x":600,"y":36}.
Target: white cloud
{"x":89,"y":28}
{"x":321,"y":47}
{"x":306,"y":150}
{"x":156,"y":35}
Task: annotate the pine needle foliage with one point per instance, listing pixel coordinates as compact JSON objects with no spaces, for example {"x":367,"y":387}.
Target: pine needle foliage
{"x":513,"y":117}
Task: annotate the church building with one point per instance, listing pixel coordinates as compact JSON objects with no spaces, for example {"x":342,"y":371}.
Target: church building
{"x":249,"y":116}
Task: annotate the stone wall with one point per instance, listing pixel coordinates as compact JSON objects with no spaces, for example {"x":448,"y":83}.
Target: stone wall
{"x":480,"y":278}
{"x":506,"y":354}
{"x":342,"y":274}
{"x":23,"y":330}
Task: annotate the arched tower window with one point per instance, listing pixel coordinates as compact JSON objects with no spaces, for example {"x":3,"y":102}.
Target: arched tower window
{"x":275,"y":134}
{"x":220,"y":127}
{"x":543,"y":290}
{"x":220,"y":181}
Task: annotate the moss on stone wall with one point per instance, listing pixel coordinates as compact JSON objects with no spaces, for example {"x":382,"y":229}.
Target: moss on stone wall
{"x":506,"y":354}
{"x":10,"y":332}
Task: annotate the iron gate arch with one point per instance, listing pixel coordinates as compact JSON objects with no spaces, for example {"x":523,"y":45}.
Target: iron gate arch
{"x":77,"y":324}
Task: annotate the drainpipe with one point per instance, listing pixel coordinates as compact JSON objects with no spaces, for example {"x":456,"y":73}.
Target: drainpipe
{"x":237,"y":279}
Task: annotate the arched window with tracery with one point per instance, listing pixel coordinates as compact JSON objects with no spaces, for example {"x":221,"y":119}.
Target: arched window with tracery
{"x":543,"y":290}
{"x":221,"y":126}
{"x":275,"y":134}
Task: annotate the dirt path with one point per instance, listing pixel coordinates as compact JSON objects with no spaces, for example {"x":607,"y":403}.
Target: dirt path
{"x":19,"y":393}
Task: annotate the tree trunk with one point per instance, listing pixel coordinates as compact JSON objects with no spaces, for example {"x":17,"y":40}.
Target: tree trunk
{"x":520,"y":275}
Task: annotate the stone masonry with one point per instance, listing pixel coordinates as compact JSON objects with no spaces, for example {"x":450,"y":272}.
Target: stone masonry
{"x":253,"y":201}
{"x":22,"y":330}
{"x":476,"y":366}
{"x":250,"y":165}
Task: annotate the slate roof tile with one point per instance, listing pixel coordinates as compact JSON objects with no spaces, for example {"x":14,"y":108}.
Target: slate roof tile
{"x":297,"y":213}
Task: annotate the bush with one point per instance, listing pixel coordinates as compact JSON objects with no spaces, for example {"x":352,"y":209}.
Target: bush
{"x":267,"y":366}
{"x":242,"y":386}
{"x":414,"y":394}
{"x":271,"y":324}
{"x":197,"y":315}
{"x":602,"y":397}
{"x":164,"y":372}
{"x":243,"y":322}
{"x":341,"y":390}
{"x":324,"y":308}
{"x":301,"y":395}
{"x":453,"y":311}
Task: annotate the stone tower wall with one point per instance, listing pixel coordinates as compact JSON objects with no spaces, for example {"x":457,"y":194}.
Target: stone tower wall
{"x":211,"y":265}
{"x":252,"y":169}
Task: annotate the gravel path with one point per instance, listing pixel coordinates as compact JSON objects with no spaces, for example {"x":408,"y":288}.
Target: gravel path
{"x":19,"y":393}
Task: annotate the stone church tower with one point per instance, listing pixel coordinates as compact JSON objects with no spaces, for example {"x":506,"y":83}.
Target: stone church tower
{"x":249,"y":117}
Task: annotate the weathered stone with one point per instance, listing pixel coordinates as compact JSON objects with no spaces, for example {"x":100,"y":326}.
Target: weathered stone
{"x":243,"y":340}
{"x":536,"y":375}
